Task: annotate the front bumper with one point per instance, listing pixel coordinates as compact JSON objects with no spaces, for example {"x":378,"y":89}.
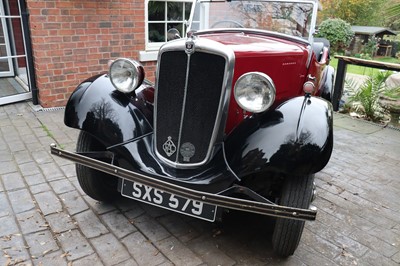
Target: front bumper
{"x":219,"y":200}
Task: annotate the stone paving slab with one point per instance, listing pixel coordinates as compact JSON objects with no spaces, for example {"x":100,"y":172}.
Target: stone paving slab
{"x":46,"y":219}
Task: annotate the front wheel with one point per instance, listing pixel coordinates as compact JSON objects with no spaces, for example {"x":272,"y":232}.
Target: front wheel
{"x":296,"y":192}
{"x":97,"y":185}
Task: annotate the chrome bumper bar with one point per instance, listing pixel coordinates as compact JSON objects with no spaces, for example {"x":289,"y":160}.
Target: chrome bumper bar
{"x":215,"y":199}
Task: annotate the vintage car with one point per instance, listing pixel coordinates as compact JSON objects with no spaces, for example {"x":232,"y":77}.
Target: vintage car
{"x":239,"y":118}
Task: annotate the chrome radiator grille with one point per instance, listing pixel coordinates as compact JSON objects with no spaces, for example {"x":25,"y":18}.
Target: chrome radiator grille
{"x":189,"y":92}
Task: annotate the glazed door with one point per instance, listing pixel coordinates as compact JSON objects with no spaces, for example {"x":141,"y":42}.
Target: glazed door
{"x":6,"y":64}
{"x":15,"y":65}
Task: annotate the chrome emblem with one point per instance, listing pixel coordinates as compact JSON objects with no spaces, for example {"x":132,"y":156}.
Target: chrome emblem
{"x":189,"y":45}
{"x":187,"y":151}
{"x":169,"y":147}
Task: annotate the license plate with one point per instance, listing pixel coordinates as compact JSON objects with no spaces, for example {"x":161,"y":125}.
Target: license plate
{"x":168,"y":201}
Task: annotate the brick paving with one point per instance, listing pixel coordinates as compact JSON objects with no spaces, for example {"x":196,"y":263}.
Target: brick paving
{"x":46,"y":219}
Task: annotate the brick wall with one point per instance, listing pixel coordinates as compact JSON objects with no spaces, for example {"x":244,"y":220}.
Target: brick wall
{"x":73,"y":40}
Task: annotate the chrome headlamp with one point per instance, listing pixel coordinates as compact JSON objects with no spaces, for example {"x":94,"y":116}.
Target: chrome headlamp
{"x":126,"y":75}
{"x":255,"y":92}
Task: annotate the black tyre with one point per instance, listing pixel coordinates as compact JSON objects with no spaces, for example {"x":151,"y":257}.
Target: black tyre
{"x":296,"y":192}
{"x":97,"y":185}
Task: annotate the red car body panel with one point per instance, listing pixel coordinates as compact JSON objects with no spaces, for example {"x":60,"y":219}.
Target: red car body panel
{"x":284,"y":61}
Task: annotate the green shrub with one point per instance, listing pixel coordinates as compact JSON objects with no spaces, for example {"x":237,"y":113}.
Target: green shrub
{"x":364,"y":99}
{"x":337,"y":31}
{"x":393,"y":93}
{"x":370,"y":47}
{"x":366,"y":56}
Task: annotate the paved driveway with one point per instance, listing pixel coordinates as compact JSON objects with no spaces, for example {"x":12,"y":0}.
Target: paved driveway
{"x":45,"y":219}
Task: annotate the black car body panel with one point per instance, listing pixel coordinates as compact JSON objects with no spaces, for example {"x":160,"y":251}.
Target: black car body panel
{"x":294,"y":138}
{"x":95,"y":106}
{"x":326,"y":89}
{"x":287,"y":139}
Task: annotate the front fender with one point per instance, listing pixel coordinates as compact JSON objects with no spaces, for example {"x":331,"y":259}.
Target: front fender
{"x":109,"y":115}
{"x":295,"y":138}
{"x":326,"y":88}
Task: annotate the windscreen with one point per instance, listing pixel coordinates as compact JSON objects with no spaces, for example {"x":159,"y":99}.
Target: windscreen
{"x":292,"y":18}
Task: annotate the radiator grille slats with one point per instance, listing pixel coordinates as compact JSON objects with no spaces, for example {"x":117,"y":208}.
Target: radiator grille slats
{"x":170,"y":92}
{"x":192,"y":135}
{"x":203,"y":96}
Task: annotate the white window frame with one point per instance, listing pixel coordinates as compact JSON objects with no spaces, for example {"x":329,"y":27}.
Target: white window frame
{"x":151,"y":52}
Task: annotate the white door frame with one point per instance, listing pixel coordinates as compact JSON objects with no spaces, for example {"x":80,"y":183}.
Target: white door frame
{"x":8,"y":56}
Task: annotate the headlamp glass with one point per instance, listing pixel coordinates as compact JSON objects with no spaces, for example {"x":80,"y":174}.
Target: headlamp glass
{"x":255,"y":92}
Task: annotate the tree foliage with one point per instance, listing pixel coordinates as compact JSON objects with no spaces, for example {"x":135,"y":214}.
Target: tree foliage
{"x":393,"y":16}
{"x":394,"y":11}
{"x":356,"y":12}
{"x":337,"y":31}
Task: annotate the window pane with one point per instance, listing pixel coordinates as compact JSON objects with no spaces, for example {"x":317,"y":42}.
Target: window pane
{"x":156,"y":32}
{"x":4,"y":67}
{"x":2,"y":41}
{"x":197,"y":12}
{"x":3,"y":51}
{"x":175,"y":11}
{"x":195,"y":25}
{"x":172,"y":34}
{"x":156,"y":10}
{"x":163,"y":16}
{"x":3,"y":62}
{"x":188,"y":7}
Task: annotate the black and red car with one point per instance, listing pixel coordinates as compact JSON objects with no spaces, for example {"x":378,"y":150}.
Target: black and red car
{"x":239,"y":118}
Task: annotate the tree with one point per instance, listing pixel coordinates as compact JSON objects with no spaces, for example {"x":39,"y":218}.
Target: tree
{"x":337,"y":31}
{"x":356,"y":12}
{"x":393,"y":16}
{"x":394,"y":11}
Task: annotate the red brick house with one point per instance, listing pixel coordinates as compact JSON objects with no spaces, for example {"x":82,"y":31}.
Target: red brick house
{"x":53,"y":45}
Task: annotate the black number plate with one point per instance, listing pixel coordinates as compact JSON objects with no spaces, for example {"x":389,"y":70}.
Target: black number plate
{"x":168,"y":201}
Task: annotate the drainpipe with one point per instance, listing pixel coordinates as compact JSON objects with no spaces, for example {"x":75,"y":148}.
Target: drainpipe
{"x":28,"y":49}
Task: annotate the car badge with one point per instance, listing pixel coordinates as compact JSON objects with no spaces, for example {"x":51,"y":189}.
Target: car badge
{"x":169,"y":147}
{"x":189,"y":45}
{"x":187,"y":151}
